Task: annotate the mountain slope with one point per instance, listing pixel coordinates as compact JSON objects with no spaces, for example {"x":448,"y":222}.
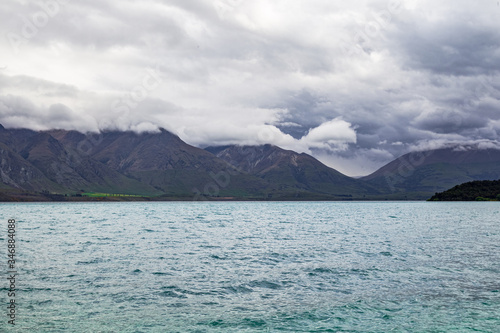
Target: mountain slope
{"x":291,"y":172}
{"x":79,"y":171}
{"x":164,"y":161}
{"x":433,"y":171}
{"x":16,"y":172}
{"x":36,"y":161}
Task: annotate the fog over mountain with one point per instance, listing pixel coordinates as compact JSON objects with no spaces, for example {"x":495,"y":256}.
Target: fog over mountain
{"x":355,"y":84}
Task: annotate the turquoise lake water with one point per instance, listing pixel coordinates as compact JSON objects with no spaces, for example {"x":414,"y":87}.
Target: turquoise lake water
{"x":255,"y":267}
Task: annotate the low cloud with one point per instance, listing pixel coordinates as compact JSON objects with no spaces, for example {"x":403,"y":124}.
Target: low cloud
{"x":333,"y":135}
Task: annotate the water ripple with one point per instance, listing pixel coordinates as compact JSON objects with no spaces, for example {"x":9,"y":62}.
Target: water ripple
{"x":258,"y":267}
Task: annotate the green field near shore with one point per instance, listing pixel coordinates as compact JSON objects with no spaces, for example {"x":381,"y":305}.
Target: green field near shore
{"x":100,"y":195}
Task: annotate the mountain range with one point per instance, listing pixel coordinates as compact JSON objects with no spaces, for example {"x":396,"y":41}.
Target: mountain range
{"x":65,"y":165}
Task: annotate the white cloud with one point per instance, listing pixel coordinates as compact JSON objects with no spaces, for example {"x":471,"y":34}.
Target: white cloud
{"x":330,"y":135}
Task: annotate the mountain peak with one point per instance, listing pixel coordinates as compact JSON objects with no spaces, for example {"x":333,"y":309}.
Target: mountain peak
{"x":165,"y":132}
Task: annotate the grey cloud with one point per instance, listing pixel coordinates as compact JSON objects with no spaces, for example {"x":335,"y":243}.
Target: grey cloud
{"x":61,"y":113}
{"x":99,"y":24}
{"x":306,"y":109}
{"x":231,"y":70}
{"x":19,"y":112}
{"x":449,"y":121}
{"x":489,"y":109}
{"x":16,"y":106}
{"x":459,"y":45}
{"x":44,"y":87}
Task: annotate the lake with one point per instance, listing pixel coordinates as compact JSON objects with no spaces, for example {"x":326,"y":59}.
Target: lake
{"x":255,"y":267}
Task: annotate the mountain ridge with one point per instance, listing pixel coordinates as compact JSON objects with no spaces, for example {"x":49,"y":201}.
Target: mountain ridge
{"x":300,"y":170}
{"x":432,"y":171}
{"x":162,"y":166}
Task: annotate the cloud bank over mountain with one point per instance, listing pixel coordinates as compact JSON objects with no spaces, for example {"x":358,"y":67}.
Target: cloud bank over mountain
{"x":355,"y":84}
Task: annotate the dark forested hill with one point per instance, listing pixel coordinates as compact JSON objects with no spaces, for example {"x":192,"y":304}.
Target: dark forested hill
{"x":471,"y":191}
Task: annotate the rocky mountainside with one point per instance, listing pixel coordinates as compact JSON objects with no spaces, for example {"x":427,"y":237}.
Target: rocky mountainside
{"x":163,"y":161}
{"x":291,"y":170}
{"x":36,"y":161}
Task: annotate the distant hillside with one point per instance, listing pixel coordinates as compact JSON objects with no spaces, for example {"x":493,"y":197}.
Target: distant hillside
{"x":471,"y":191}
{"x":36,"y":161}
{"x":421,"y":174}
{"x":166,"y":163}
{"x":292,"y":172}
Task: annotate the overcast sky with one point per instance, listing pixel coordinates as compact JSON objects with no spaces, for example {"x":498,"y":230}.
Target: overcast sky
{"x":354,"y":83}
